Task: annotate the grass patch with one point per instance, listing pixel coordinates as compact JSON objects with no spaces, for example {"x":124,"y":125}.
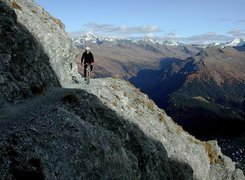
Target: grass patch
{"x":114,"y":103}
{"x":16,"y":5}
{"x":137,"y":91}
{"x":193,"y":140}
{"x":150,"y":105}
{"x":129,"y":84}
{"x":138,"y":100}
{"x":179,"y":129}
{"x":212,"y":154}
{"x":114,"y":86}
{"x":161,"y":117}
{"x":57,"y":21}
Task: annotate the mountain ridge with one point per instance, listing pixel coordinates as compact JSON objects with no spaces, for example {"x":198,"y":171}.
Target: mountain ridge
{"x":80,"y":40}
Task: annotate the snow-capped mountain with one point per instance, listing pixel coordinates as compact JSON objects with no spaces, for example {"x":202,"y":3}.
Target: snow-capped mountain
{"x":90,"y":38}
{"x":80,"y":40}
{"x":147,"y":39}
{"x":235,"y":42}
{"x":169,"y":43}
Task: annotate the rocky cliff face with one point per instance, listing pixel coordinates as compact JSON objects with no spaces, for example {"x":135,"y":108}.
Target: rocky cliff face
{"x":67,"y":132}
{"x":35,"y":52}
{"x":24,"y":66}
{"x":50,"y":33}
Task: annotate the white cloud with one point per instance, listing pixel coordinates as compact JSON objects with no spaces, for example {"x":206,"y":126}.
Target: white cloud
{"x":122,"y":30}
{"x":153,"y":31}
{"x":237,"y":33}
{"x":205,"y":38}
{"x":171,"y":36}
{"x":241,"y":21}
{"x":229,"y":20}
{"x":225,"y":19}
{"x":209,"y":37}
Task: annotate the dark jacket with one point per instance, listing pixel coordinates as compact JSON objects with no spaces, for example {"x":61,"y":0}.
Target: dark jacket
{"x":88,"y":58}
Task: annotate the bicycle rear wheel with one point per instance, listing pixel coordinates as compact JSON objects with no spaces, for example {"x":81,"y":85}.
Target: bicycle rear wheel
{"x":88,"y":75}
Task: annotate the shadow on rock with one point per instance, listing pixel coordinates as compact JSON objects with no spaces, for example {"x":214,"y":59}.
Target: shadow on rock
{"x":25,"y":68}
{"x":79,"y":137}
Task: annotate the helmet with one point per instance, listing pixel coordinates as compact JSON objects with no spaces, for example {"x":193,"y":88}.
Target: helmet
{"x":87,"y":48}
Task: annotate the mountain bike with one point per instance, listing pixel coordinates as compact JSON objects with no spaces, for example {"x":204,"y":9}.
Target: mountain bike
{"x":88,"y":73}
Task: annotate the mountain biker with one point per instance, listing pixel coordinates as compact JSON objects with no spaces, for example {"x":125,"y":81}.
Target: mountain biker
{"x":87,"y":57}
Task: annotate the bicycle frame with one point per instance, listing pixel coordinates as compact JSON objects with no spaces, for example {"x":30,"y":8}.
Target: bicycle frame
{"x":88,"y":73}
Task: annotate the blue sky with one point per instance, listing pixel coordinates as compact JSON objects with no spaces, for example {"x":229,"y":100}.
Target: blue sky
{"x":184,"y":20}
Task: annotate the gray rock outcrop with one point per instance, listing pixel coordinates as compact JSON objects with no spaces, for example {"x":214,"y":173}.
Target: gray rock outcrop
{"x":105,"y":130}
{"x":35,"y":51}
{"x":49,"y":32}
{"x":24,"y":66}
{"x":70,"y":134}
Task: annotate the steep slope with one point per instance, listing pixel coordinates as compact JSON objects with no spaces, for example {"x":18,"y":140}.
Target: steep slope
{"x":70,"y":133}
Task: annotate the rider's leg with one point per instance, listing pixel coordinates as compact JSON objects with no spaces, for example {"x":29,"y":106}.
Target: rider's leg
{"x":85,"y":68}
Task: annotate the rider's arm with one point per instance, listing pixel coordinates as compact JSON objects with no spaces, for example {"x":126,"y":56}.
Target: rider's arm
{"x":92,"y":59}
{"x":82,"y":60}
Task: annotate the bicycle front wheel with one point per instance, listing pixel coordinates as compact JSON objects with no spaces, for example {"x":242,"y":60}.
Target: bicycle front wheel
{"x":88,"y":76}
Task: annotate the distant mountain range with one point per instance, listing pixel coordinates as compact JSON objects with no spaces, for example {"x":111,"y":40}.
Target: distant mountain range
{"x":85,"y":38}
{"x":80,"y":41}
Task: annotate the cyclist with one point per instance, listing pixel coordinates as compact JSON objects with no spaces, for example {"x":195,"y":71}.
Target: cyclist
{"x":87,"y":57}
